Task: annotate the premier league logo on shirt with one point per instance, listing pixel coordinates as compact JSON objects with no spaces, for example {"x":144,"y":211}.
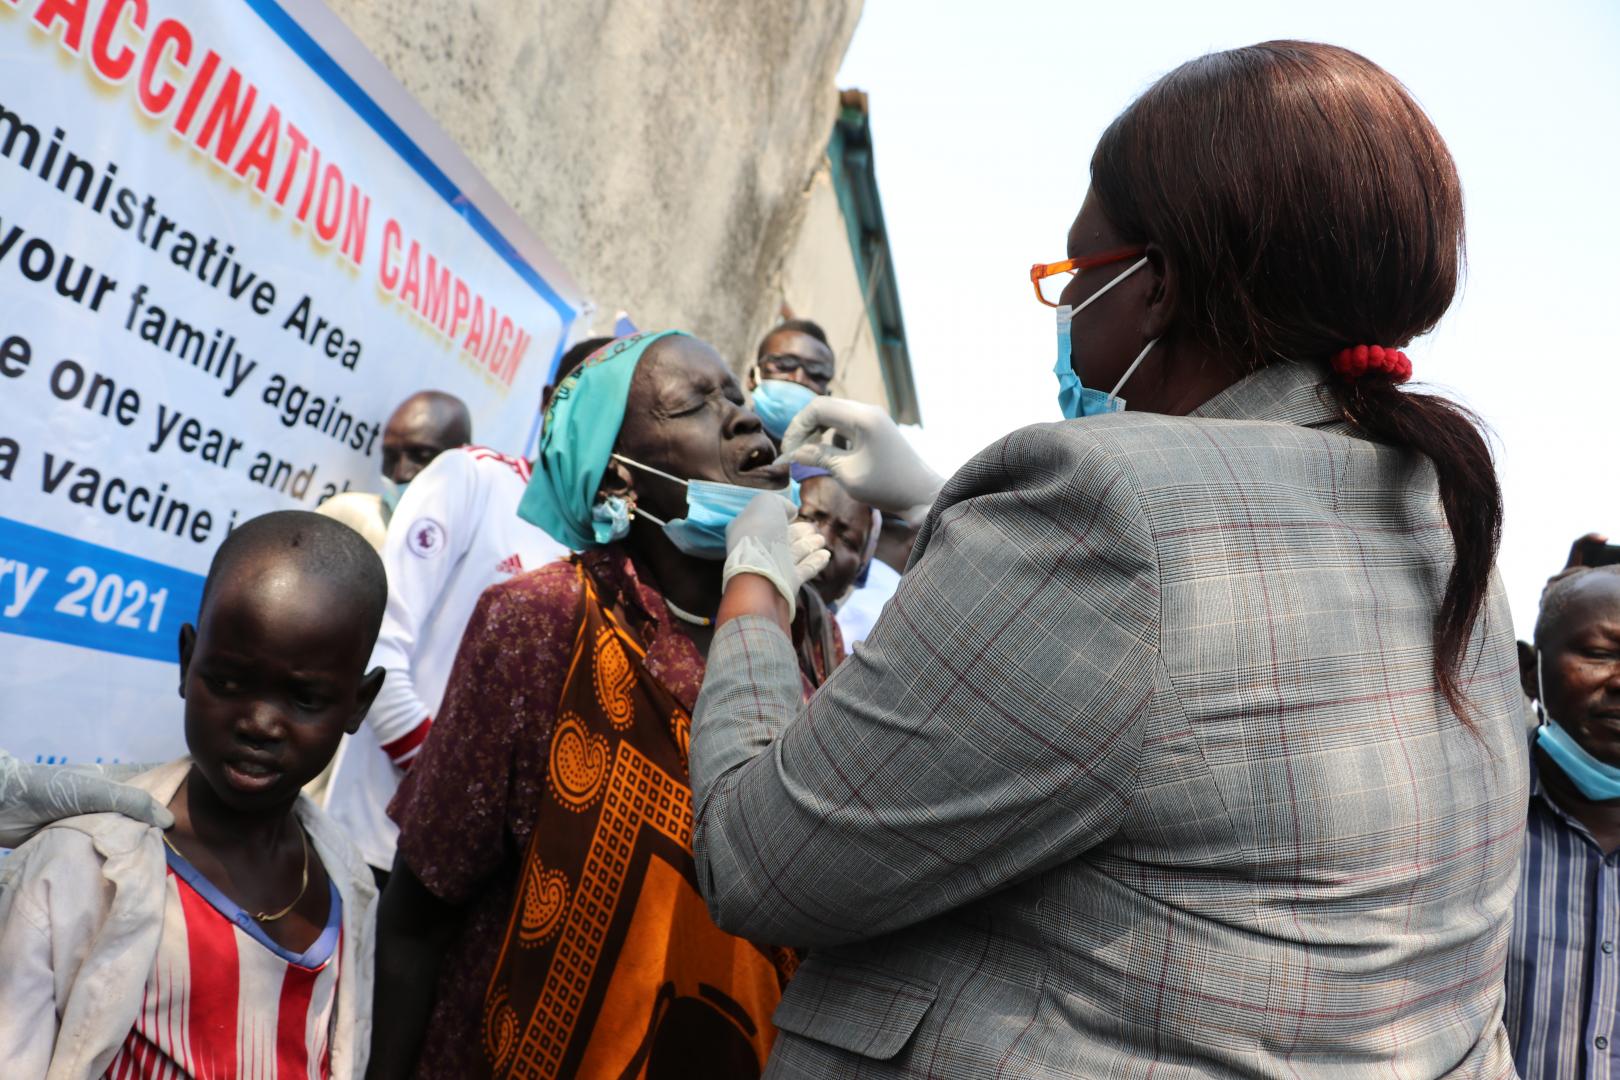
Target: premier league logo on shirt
{"x":426,"y":538}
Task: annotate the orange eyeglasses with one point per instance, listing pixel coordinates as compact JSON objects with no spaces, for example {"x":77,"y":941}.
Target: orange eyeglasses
{"x":1050,"y":279}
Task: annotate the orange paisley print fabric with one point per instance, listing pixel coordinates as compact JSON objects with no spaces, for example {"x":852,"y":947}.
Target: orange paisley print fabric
{"x":525,"y":746}
{"x":629,"y":977}
{"x":578,"y":764}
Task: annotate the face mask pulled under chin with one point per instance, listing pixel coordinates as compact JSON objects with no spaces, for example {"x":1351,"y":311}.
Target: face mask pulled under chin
{"x":1597,"y":780}
{"x":1075,"y":398}
{"x":710,"y":507}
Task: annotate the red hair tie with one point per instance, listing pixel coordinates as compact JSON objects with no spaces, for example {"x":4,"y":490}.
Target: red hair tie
{"x":1359,"y":360}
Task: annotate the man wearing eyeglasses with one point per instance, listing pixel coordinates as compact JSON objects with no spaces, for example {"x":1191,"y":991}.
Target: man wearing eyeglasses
{"x":794,"y":365}
{"x":796,"y":350}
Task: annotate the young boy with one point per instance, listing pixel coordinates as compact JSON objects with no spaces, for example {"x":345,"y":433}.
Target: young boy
{"x":239,"y":942}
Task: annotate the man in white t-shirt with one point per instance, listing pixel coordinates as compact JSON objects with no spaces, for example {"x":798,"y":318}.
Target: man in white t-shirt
{"x":454,"y":533}
{"x":425,"y":425}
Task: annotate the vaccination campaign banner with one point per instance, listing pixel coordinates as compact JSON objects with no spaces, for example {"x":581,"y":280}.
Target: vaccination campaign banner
{"x":230,"y":244}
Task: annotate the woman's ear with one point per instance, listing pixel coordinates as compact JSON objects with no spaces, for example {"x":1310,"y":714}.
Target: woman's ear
{"x":616,"y":480}
{"x":1162,"y":294}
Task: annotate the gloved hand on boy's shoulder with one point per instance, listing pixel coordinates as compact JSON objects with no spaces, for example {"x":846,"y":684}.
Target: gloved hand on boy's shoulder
{"x":34,"y":796}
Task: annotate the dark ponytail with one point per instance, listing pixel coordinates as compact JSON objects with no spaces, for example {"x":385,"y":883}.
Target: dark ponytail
{"x":1449,"y":436}
{"x":1309,"y":205}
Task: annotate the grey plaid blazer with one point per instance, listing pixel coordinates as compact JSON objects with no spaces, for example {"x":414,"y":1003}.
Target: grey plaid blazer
{"x":1141,"y":773}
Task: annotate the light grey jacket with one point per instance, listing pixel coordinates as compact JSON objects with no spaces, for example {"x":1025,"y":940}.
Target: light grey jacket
{"x":1142,"y":772}
{"x":81,"y":911}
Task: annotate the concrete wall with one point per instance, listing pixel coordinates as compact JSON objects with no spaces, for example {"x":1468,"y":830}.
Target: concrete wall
{"x":663,"y":150}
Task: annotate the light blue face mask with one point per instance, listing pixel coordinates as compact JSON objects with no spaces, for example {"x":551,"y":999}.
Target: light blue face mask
{"x":1075,"y":398}
{"x":392,"y":490}
{"x":710,"y":507}
{"x":1598,"y":780}
{"x":610,"y":519}
{"x":777,"y":402}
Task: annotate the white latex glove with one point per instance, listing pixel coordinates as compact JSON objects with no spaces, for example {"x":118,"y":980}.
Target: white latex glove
{"x":880,"y":468}
{"x":34,"y":796}
{"x":766,"y":540}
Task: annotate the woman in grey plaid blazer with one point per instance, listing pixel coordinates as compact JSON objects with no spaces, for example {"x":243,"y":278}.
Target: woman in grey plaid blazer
{"x":1189,"y":746}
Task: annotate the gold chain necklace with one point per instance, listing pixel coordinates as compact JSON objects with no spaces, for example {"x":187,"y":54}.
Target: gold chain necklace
{"x":303,"y":884}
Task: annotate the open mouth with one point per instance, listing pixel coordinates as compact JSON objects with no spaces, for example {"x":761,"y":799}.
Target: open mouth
{"x":761,"y":469}
{"x":248,"y":775}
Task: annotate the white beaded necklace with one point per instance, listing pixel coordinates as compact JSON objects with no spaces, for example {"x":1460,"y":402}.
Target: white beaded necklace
{"x":686,"y":616}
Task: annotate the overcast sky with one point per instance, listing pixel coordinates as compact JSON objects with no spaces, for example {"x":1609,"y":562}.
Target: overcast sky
{"x":984,"y":117}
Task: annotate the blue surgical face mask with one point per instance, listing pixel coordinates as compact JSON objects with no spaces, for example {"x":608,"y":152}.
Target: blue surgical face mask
{"x":710,"y":507}
{"x":392,"y":490}
{"x":1075,"y":398}
{"x":777,"y":402}
{"x":1598,"y":780}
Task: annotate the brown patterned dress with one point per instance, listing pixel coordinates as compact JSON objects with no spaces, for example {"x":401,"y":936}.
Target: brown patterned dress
{"x":564,"y":715}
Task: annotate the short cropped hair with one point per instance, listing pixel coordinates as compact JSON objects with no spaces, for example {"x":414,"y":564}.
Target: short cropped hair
{"x":797,"y":326}
{"x":1556,"y":596}
{"x":316,"y":545}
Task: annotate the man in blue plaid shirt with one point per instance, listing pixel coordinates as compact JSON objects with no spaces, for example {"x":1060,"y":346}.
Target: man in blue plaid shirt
{"x":1563,"y":977}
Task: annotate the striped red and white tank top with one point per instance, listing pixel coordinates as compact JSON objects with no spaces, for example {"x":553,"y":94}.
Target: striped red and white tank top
{"x":223,"y":1000}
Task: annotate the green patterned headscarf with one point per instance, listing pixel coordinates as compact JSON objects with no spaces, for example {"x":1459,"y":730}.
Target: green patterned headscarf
{"x":582,"y":426}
